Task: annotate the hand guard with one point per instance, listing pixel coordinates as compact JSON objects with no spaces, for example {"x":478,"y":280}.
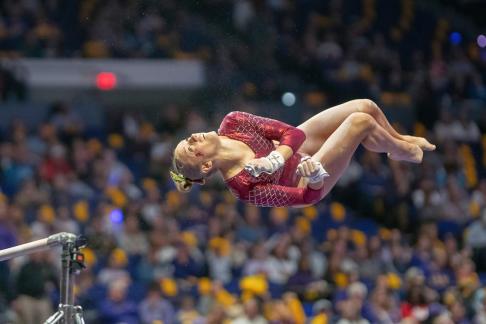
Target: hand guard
{"x":317,"y":175}
{"x":268,"y":164}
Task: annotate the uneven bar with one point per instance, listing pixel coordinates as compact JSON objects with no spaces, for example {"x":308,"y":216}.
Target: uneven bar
{"x":36,"y":246}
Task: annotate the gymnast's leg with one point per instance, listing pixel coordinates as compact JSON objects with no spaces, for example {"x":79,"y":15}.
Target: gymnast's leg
{"x":319,"y":127}
{"x":380,"y":141}
{"x":357,"y":128}
{"x":375,"y":111}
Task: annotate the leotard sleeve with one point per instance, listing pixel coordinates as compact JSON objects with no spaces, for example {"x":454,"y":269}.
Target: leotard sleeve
{"x":273,"y":195}
{"x":269,"y":128}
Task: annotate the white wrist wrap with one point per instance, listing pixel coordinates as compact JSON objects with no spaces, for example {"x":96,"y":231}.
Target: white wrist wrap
{"x":320,"y":175}
{"x":273,"y":161}
{"x":276,"y":159}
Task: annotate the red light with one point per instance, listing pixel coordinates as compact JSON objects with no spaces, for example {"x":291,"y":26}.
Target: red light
{"x":106,"y":81}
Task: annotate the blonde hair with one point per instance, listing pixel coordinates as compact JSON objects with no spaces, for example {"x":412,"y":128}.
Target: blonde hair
{"x":182,"y":183}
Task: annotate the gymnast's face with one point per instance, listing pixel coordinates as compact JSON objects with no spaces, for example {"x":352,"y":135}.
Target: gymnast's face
{"x":197,"y":149}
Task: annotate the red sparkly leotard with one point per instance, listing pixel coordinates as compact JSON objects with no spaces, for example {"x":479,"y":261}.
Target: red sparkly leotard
{"x":268,"y":190}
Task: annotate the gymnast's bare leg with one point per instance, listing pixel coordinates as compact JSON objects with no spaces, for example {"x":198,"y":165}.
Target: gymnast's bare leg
{"x":319,"y":127}
{"x":358,"y":128}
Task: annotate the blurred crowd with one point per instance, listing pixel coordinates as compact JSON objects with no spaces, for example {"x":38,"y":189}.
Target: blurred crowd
{"x":392,"y":243}
{"x":397,"y":52}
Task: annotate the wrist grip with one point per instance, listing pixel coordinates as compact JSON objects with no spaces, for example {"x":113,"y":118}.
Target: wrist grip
{"x":273,"y":161}
{"x":319,"y":174}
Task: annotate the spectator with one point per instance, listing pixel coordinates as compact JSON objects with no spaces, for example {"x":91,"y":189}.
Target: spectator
{"x":7,"y":234}
{"x":303,"y":283}
{"x":132,"y":240}
{"x":155,"y":308}
{"x":117,"y":308}
{"x":30,"y":196}
{"x":7,"y":239}
{"x":444,"y":126}
{"x":370,"y":266}
{"x":480,"y":308}
{"x":465,"y":129}
{"x":187,"y":312}
{"x":216,"y":315}
{"x":65,"y":120}
{"x":416,"y":303}
{"x":281,"y":265}
{"x":220,"y":262}
{"x":16,"y":167}
{"x":251,"y":230}
{"x":252,"y":313}
{"x":55,"y":164}
{"x":322,"y":311}
{"x":383,"y":307}
{"x":35,"y":282}
{"x":476,"y":239}
{"x":115,"y":270}
{"x":184,"y":264}
{"x":350,"y":313}
{"x":112,"y":170}
{"x":64,"y":221}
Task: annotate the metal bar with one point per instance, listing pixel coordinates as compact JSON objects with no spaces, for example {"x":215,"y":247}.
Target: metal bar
{"x":26,"y":248}
{"x":35,"y":246}
{"x":67,"y":313}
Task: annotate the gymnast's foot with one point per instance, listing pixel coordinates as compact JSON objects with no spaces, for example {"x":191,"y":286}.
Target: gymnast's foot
{"x":420,"y":141}
{"x":414,"y":154}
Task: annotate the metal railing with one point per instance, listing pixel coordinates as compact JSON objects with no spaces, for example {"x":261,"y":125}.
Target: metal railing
{"x":72,"y":261}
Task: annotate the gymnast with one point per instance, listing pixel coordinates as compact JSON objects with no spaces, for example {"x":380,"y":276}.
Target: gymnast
{"x":269,"y":163}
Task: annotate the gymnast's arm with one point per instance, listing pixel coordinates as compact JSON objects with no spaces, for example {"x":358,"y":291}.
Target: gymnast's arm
{"x":290,"y":138}
{"x":272,"y":195}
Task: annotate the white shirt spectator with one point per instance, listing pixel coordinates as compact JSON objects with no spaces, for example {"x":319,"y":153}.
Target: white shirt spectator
{"x":279,"y":270}
{"x":465,"y":132}
{"x":219,"y":267}
{"x":476,"y":234}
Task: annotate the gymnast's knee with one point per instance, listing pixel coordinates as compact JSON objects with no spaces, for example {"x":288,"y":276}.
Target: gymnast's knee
{"x":367,"y":106}
{"x":362,"y":122}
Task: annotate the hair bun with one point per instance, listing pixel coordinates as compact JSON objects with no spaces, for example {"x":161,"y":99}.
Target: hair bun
{"x":183,"y":186}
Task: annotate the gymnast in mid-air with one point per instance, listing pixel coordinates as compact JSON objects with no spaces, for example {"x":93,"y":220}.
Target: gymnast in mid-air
{"x":269,"y":163}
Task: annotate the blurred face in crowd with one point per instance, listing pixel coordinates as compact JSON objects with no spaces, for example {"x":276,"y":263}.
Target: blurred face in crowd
{"x":117,"y":293}
{"x":443,"y":319}
{"x":131,"y":225}
{"x":361,"y":252}
{"x":187,"y":303}
{"x":357,"y":292}
{"x":440,"y":257}
{"x":3,"y":210}
{"x":252,"y":215}
{"x":258,"y":252}
{"x":424,"y":243}
{"x":216,"y":315}
{"x":193,"y":154}
{"x":380,"y":298}
{"x":457,"y":311}
{"x":374,"y":244}
{"x":251,"y":308}
{"x":350,"y":309}
{"x":416,"y":295}
{"x":450,"y":244}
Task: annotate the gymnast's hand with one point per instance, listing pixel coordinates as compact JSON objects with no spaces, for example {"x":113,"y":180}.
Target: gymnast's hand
{"x":312,"y":170}
{"x":268,"y":164}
